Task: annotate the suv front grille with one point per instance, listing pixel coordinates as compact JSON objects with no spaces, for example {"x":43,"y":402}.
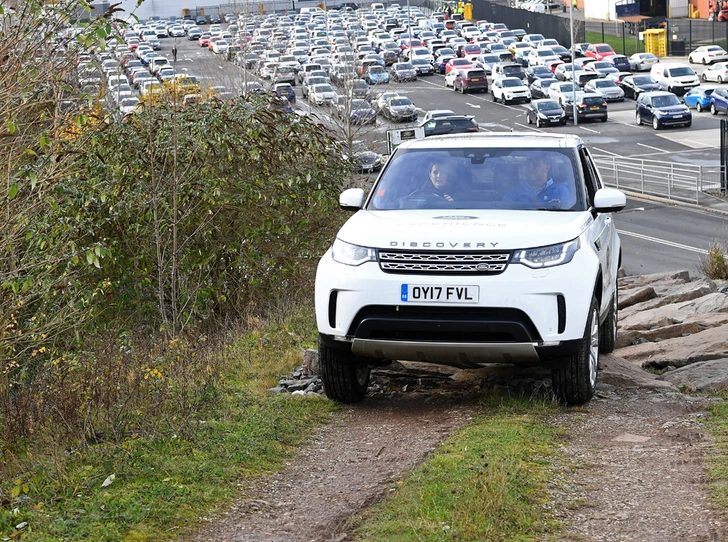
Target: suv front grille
{"x":477,"y":263}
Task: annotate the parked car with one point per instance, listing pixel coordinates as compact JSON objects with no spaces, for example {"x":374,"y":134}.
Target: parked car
{"x":708,"y":54}
{"x":399,"y":109}
{"x":601,"y":67}
{"x":545,"y":112}
{"x":359,"y":111}
{"x":540,"y":88}
{"x":589,"y":106}
{"x":422,"y":66}
{"x":717,"y":73}
{"x":403,"y":71}
{"x":285,"y":90}
{"x":453,"y":124}
{"x":642,"y":62}
{"x":537,"y":72}
{"x":661,"y":109}
{"x":607,"y":88}
{"x":562,"y":92}
{"x":599,"y":51}
{"x":366,"y":160}
{"x":634,"y":85}
{"x":620,"y":62}
{"x":699,"y":97}
{"x":322,"y":94}
{"x":509,"y":90}
{"x":471,"y":80}
{"x":719,"y":101}
{"x":376,"y":75}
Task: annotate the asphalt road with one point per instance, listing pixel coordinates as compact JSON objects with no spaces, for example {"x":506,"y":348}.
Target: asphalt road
{"x":655,"y":236}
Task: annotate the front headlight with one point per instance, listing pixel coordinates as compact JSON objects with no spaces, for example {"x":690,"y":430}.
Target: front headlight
{"x":549,"y":256}
{"x":348,"y":254}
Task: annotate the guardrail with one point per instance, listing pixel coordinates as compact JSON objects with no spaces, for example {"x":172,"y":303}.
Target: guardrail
{"x":671,"y":180}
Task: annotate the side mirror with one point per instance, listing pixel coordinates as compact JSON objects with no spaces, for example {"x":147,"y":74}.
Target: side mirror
{"x":609,"y":200}
{"x":351,"y":199}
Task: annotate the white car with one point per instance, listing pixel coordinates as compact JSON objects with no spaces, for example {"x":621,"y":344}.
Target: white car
{"x":541,"y":56}
{"x":177,"y":32}
{"x":499,"y":273}
{"x":322,"y":95}
{"x":718,"y":72}
{"x":708,"y":54}
{"x":607,"y":88}
{"x":128,"y":104}
{"x":450,"y":78}
{"x":642,"y":62}
{"x":220,"y":46}
{"x":562,"y":92}
{"x":509,"y":90}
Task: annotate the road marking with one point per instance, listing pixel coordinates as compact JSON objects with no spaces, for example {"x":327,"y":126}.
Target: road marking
{"x":605,"y":151}
{"x":662,"y":242}
{"x":472,"y":105}
{"x":653,"y":148}
{"x":528,"y":127}
{"x":589,"y":130}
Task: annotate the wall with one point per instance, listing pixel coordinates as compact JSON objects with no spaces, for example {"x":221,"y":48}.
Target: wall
{"x":603,"y":10}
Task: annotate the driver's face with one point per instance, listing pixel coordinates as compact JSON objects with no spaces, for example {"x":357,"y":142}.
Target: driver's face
{"x":438,"y":176}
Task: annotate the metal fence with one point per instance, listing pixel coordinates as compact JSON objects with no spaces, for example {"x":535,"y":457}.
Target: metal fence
{"x":551,"y":26}
{"x":671,"y":180}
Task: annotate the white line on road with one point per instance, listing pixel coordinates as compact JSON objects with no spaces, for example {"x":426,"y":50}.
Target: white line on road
{"x":662,"y":242}
{"x":605,"y":151}
{"x":472,"y":105}
{"x":653,"y":148}
{"x":590,"y":130}
{"x":528,"y":127}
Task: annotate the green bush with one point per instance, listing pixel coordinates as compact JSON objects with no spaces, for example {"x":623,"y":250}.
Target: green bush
{"x":714,"y":265}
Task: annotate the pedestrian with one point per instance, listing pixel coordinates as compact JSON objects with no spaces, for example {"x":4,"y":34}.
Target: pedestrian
{"x":174,"y":53}
{"x":576,"y":5}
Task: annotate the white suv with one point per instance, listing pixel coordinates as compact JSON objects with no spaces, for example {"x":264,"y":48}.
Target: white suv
{"x":476,"y":273}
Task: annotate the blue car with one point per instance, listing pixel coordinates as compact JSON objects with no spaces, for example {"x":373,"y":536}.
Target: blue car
{"x":376,"y":75}
{"x":620,"y":62}
{"x":662,"y":109}
{"x":719,"y":101}
{"x":699,"y":97}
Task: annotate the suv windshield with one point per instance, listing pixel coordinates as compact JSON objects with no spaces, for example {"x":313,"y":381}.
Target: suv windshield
{"x":482,"y":178}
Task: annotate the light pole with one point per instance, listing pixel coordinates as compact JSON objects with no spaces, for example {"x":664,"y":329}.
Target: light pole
{"x":573,"y":56}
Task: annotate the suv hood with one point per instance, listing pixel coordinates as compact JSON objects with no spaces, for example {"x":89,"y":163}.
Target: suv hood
{"x":457,"y":229}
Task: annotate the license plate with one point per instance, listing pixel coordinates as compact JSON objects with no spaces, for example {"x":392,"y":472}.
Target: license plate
{"x":429,"y":293}
{"x":594,"y":108}
{"x":475,"y":79}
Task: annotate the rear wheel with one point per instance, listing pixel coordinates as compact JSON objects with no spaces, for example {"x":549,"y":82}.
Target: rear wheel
{"x":344,"y":379}
{"x":720,"y":79}
{"x":655,"y":123}
{"x":713,"y":110}
{"x":637,"y":118}
{"x":698,"y":107}
{"x":575,"y":380}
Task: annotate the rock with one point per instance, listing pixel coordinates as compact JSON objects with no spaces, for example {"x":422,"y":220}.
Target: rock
{"x":704,"y":376}
{"x":620,"y":373}
{"x":632,"y":336}
{"x":311,"y":362}
{"x":635,"y":296}
{"x":709,"y":344}
{"x":667,"y":277}
{"x":676,"y":294}
{"x":674,"y":313}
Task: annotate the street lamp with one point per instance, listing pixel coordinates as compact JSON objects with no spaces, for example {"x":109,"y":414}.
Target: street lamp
{"x":573,"y":56}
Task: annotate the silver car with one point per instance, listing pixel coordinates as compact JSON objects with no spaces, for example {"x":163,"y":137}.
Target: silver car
{"x":607,"y":88}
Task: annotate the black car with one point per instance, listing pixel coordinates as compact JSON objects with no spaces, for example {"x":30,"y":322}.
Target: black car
{"x":215,"y":19}
{"x":545,"y":112}
{"x":634,"y":85}
{"x":540,"y":88}
{"x":454,"y":124}
{"x":201,"y":19}
{"x":588,"y":107}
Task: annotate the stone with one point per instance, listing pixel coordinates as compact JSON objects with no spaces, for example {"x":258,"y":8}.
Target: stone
{"x":675,"y":313}
{"x":704,"y":376}
{"x":635,"y":296}
{"x":311,"y":362}
{"x":675,"y":276}
{"x":709,"y":344}
{"x":632,"y":336}
{"x":620,"y":373}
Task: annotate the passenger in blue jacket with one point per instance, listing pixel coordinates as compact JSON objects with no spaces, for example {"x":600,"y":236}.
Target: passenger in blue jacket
{"x":538,"y":187}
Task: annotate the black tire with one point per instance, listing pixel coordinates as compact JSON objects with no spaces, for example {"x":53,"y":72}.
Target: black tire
{"x":344,"y":380}
{"x":608,"y":329}
{"x":638,"y":119}
{"x":720,"y":79}
{"x":703,"y":77}
{"x":698,"y":107}
{"x":713,"y":110}
{"x":655,"y":123}
{"x":575,"y":380}
{"x":530,"y":121}
{"x":492,"y":95}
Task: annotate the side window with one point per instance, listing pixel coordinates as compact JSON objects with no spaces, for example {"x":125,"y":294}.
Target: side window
{"x":591,"y":177}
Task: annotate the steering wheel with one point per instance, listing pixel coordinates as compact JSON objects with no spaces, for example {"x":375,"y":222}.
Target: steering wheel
{"x":426,"y":192}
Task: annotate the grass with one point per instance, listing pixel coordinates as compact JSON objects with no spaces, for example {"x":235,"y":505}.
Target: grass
{"x":631,"y":45}
{"x":487,"y":482}
{"x":155,"y":488}
{"x":716,"y":465}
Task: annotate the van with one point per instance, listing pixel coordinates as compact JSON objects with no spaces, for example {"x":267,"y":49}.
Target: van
{"x":674,"y":77}
{"x":376,"y":6}
{"x":312,"y":11}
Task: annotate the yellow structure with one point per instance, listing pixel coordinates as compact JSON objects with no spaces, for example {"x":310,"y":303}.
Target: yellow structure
{"x":656,"y":41}
{"x":468,"y":12}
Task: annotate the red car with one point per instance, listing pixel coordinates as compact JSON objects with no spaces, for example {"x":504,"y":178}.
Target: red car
{"x":457,"y":64}
{"x":204,"y":40}
{"x":599,"y":51}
